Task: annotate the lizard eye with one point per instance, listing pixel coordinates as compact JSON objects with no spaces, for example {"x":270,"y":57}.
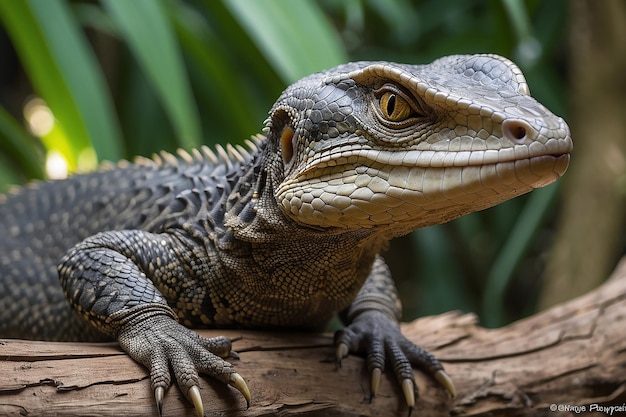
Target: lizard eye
{"x":394,"y":107}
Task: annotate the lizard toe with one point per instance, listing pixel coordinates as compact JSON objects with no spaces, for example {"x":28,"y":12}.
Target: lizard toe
{"x":403,"y":369}
{"x":425,"y":360}
{"x":219,"y":345}
{"x":164,"y":345}
{"x":214,"y":366}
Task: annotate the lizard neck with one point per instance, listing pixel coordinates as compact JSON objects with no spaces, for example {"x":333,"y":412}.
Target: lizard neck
{"x":317,"y":271}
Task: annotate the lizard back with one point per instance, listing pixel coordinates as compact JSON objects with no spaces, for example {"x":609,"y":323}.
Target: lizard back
{"x":42,"y":221}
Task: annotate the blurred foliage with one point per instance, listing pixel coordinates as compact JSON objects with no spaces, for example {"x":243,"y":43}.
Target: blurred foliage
{"x":124,"y":78}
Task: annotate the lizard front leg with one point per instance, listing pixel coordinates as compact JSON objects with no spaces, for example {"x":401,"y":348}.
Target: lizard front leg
{"x":110,"y":280}
{"x":373,"y":329}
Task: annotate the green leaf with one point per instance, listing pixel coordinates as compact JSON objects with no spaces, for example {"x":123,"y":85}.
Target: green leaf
{"x":229,"y":101}
{"x":294,"y":35}
{"x":65,"y":73}
{"x":150,"y":37}
{"x":516,"y":12}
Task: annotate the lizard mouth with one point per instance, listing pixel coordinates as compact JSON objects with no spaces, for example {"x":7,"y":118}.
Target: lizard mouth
{"x":550,"y":157}
{"x":452,"y":158}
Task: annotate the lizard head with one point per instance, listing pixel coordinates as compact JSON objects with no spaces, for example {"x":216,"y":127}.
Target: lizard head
{"x":398,"y":147}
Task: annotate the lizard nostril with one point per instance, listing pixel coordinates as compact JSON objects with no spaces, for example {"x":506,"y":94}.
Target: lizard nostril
{"x":517,"y":131}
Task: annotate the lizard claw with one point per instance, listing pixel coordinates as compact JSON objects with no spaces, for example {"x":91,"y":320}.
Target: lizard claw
{"x":408,"y":389}
{"x":375,"y":381}
{"x":235,"y":380}
{"x":445,"y":380}
{"x":194,"y":396}
{"x":158,"y":396}
{"x":342,"y":351}
{"x":196,"y":399}
{"x":238,"y":383}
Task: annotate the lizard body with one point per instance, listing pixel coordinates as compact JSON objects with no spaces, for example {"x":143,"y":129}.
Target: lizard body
{"x":284,"y":234}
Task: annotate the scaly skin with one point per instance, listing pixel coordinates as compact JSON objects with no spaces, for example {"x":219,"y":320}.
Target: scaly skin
{"x":282,"y":236}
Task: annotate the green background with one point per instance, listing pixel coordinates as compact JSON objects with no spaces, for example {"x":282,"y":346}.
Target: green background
{"x":125,"y":78}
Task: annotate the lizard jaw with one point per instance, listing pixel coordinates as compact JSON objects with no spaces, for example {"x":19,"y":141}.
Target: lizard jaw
{"x":428,"y":190}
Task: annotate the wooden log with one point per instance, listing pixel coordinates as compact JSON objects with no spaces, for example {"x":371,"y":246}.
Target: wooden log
{"x":563,"y":362}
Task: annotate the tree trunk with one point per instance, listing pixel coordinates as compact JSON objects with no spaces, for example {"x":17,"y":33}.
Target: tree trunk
{"x":591,"y":230}
{"x":573,"y":355}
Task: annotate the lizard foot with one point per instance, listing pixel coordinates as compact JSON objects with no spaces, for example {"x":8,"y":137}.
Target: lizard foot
{"x":164,"y":344}
{"x":379,"y":338}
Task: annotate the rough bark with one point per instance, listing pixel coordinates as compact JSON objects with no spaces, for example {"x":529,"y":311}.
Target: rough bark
{"x":573,"y":355}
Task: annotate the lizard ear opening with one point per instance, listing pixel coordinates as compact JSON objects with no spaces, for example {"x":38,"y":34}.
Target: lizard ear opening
{"x":286,"y":144}
{"x":281,"y":126}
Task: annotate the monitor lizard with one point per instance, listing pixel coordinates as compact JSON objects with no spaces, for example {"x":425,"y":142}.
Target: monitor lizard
{"x":284,"y":234}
